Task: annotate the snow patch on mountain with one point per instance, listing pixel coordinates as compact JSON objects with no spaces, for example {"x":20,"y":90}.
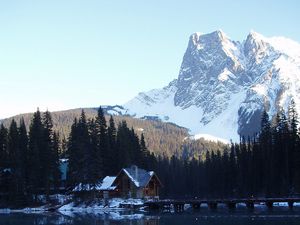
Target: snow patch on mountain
{"x":209,"y":137}
{"x":159,"y":104}
{"x":225,"y":75}
{"x":223,"y":85}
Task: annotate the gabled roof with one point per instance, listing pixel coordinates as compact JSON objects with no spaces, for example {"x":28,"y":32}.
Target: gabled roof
{"x":138,"y":176}
{"x":104,"y":185}
{"x":107,"y":183}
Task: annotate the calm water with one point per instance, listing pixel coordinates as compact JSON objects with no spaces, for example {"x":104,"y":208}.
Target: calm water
{"x":202,"y":217}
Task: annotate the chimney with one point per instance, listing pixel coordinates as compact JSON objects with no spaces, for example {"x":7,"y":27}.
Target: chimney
{"x":136,"y":172}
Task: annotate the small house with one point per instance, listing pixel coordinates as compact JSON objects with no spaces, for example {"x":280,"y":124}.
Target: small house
{"x":131,"y":182}
{"x":134,"y":182}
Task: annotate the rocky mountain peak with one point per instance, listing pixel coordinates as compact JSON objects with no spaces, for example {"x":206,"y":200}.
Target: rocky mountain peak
{"x":256,"y":46}
{"x":200,"y":41}
{"x":223,"y":85}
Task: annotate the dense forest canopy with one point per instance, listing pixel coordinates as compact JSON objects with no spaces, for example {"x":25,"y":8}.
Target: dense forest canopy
{"x":165,"y":139}
{"x":266,"y":164}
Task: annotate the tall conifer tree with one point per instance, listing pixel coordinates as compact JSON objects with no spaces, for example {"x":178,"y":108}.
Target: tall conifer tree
{"x":3,"y":147}
{"x":35,"y":148}
{"x":103,"y":151}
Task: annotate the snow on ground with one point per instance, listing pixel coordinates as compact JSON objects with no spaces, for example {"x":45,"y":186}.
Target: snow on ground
{"x":113,"y":204}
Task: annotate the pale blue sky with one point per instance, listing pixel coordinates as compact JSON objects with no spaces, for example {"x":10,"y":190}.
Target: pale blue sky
{"x":65,"y":54}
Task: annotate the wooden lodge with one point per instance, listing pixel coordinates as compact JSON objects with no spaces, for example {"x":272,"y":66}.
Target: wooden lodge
{"x":131,"y":182}
{"x":134,"y":182}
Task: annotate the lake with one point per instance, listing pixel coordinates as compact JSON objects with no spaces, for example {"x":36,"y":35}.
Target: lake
{"x":278,"y":216}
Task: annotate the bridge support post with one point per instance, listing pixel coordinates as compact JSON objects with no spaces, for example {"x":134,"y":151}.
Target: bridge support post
{"x":154,"y":206}
{"x":196,"y":205}
{"x":291,"y":204}
{"x":269,"y":204}
{"x":178,"y":207}
{"x":231,"y":205}
{"x":212,"y":205}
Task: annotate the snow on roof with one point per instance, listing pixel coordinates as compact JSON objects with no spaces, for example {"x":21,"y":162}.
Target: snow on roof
{"x":104,"y":185}
{"x":151,"y":173}
{"x":107,"y":183}
{"x":86,"y":187}
{"x":138,"y":176}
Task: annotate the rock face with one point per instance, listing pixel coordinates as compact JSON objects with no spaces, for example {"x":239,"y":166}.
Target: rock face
{"x":224,"y":85}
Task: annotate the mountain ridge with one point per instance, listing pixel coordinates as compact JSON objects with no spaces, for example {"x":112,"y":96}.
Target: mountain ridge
{"x":163,"y":139}
{"x":223,"y":85}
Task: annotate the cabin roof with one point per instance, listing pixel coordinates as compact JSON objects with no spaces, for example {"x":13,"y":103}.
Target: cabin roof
{"x":138,"y":176}
{"x":107,"y":183}
{"x":104,"y":185}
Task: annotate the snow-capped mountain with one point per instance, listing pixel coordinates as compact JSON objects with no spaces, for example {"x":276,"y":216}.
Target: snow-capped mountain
{"x":223,"y":85}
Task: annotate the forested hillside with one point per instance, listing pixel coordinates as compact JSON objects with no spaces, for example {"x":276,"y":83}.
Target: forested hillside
{"x":161,"y":138}
{"x":266,"y":164}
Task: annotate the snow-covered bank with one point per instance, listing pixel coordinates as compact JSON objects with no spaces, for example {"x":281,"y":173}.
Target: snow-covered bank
{"x":120,"y":206}
{"x":96,"y":206}
{"x":99,"y":205}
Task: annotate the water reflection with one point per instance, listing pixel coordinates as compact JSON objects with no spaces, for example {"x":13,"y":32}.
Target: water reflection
{"x":163,"y":218}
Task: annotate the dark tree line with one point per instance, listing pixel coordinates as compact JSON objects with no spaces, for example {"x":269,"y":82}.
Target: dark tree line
{"x":97,"y":149}
{"x":267,"y":164}
{"x":29,"y":162}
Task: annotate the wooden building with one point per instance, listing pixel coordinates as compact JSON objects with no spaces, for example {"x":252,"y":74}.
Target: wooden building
{"x":134,"y":182}
{"x":131,"y":182}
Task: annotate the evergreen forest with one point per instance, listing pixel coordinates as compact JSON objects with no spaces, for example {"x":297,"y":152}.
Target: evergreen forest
{"x":266,"y":164}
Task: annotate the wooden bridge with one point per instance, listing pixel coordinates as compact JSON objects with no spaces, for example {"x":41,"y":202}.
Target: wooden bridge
{"x":213,"y":204}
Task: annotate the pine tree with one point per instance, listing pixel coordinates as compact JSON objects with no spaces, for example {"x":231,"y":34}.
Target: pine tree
{"x":103,"y":152}
{"x":95,"y":157}
{"x":74,"y":154}
{"x":3,"y":147}
{"x":35,"y":148}
{"x":80,"y":153}
{"x":47,"y":153}
{"x":144,"y":154}
{"x":112,"y":151}
{"x":266,"y":152}
{"x":23,"y":146}
{"x":134,"y":148}
{"x":55,"y":164}
{"x":233,"y":171}
{"x":123,"y":146}
{"x":14,"y":160}
{"x":294,"y":150}
{"x":63,"y":148}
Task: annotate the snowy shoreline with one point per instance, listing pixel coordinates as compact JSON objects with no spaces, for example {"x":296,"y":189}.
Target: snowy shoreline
{"x":115,"y":204}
